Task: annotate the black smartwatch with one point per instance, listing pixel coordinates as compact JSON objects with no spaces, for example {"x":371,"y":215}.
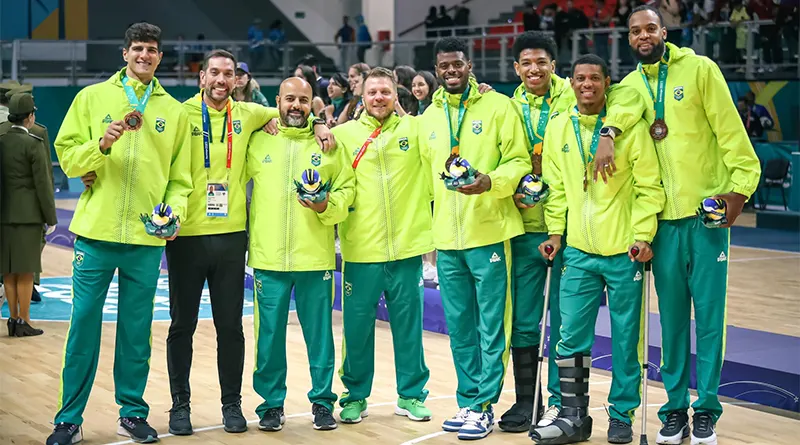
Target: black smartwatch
{"x":608,"y":132}
{"x":318,"y":121}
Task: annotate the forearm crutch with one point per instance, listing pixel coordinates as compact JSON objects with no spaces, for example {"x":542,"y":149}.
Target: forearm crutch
{"x":645,"y":355}
{"x":548,"y":249}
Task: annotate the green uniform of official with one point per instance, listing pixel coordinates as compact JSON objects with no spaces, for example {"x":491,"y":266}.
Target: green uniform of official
{"x":139,"y":171}
{"x":603,"y":221}
{"x":625,"y":109}
{"x":472,"y":233}
{"x":706,"y":152}
{"x":386,"y":232}
{"x":292,"y":248}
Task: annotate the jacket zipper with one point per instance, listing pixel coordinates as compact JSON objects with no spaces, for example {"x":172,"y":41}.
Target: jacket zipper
{"x":385,"y":185}
{"x":126,"y":191}
{"x":288,"y":212}
{"x":669,"y":187}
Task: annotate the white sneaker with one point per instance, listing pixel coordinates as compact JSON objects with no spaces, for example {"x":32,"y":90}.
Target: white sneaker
{"x":477,"y":426}
{"x":549,"y":416}
{"x":454,"y":424}
{"x":429,"y":272}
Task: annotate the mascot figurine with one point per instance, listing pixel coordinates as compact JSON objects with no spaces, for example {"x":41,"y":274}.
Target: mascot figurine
{"x":533,"y":189}
{"x":310,"y":186}
{"x":162,"y":223}
{"x":458,"y":173}
{"x":712,"y":212}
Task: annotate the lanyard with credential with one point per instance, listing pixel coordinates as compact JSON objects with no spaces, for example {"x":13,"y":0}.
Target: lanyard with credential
{"x":136,"y":103}
{"x":207,"y":138}
{"x":595,"y":140}
{"x":454,"y":135}
{"x":536,"y":138}
{"x":364,"y":147}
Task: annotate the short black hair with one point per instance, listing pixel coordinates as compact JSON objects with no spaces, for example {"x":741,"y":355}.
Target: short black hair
{"x":405,"y":75}
{"x":647,"y":8}
{"x":308,"y":60}
{"x":535,"y":40}
{"x":143,"y":32}
{"x":218,"y":53}
{"x":591,"y":59}
{"x":450,"y":45}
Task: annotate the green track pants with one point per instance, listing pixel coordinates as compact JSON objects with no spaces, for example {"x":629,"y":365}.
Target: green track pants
{"x":475,"y":286}
{"x":401,"y":284}
{"x":314,"y":303}
{"x":690,"y":266}
{"x":530,"y":274}
{"x":582,"y":282}
{"x":93,"y":269}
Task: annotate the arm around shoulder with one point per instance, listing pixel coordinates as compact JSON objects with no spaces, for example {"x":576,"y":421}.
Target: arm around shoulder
{"x":515,"y":162}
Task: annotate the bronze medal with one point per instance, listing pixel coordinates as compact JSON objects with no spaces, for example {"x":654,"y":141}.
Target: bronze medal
{"x":658,"y":130}
{"x":133,"y":121}
{"x":536,"y":163}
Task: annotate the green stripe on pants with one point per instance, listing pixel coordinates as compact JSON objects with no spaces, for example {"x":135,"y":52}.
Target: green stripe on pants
{"x":93,"y":269}
{"x":314,"y":302}
{"x":582,"y":282}
{"x":475,"y":285}
{"x":690,"y":266}
{"x":401,"y":284}
{"x":530,"y":273}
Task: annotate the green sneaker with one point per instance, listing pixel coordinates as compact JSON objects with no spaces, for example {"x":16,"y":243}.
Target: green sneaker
{"x":353,"y":412}
{"x":413,"y":409}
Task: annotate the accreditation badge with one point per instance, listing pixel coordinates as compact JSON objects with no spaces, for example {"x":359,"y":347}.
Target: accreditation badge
{"x":217,"y":200}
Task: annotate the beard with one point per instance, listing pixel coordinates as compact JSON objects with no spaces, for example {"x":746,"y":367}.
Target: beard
{"x":653,"y":57}
{"x":294,"y":120}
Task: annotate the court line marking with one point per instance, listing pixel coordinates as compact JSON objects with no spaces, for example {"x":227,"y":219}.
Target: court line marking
{"x":292,"y":416}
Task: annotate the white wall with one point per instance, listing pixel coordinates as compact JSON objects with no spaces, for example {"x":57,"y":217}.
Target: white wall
{"x":322,"y":19}
{"x":415,"y":11}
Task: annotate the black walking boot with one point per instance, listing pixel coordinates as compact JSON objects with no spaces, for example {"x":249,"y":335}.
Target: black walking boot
{"x":518,"y":418}
{"x":574,"y":423}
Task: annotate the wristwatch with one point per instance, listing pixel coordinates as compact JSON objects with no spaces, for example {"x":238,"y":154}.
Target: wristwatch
{"x":609,"y":132}
{"x":318,"y":121}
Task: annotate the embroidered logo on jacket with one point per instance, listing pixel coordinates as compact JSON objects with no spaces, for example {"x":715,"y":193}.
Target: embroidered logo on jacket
{"x":237,"y":127}
{"x":477,"y":127}
{"x":316,"y":159}
{"x":161,"y":124}
{"x":107,"y":119}
{"x":677,"y":93}
{"x":403,"y":144}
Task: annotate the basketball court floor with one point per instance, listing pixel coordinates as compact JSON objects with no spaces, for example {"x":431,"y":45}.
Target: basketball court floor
{"x":763,"y":296}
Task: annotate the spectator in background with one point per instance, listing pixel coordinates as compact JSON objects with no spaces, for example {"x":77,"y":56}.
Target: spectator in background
{"x":759,"y":110}
{"x":423,"y":86}
{"x":246,"y":88}
{"x":355,"y":75}
{"x":407,"y":101}
{"x":255,"y":39}
{"x":769,"y":34}
{"x":340,"y":94}
{"x":788,"y":21}
{"x":548,"y":20}
{"x":565,"y":23}
{"x":751,"y":122}
{"x":601,"y":19}
{"x":530,"y":18}
{"x":620,"y":20}
{"x":444,"y":21}
{"x":322,"y":83}
{"x":363,"y":38}
{"x":738,"y":15}
{"x":345,"y":36}
{"x":461,"y":19}
{"x":671,"y":12}
{"x":308,"y":74}
{"x":277,"y":37}
{"x":404,"y":76}
{"x":431,"y":23}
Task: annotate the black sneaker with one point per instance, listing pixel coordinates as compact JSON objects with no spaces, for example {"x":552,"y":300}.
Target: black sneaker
{"x":703,"y":429}
{"x":323,"y":419}
{"x":272,"y":420}
{"x":674,"y":430}
{"x":35,"y":296}
{"x":233,"y":419}
{"x":65,"y":434}
{"x":619,"y":431}
{"x":137,"y":429}
{"x":180,"y":423}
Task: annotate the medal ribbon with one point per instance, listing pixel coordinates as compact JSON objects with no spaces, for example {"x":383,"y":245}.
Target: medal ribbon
{"x":536,"y":138}
{"x":207,"y":137}
{"x":135,"y":102}
{"x":364,"y":147}
{"x":595,"y":135}
{"x":662,"y":85}
{"x":462,"y":109}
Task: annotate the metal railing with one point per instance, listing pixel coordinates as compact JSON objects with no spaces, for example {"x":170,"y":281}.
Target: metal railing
{"x":83,"y":62}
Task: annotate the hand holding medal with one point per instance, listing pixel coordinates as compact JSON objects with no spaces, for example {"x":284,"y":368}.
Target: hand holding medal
{"x":458,"y":172}
{"x":162,"y":223}
{"x":532,"y":190}
{"x":311,"y":190}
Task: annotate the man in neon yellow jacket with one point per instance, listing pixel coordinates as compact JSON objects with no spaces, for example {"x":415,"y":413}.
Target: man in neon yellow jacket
{"x":292,"y":247}
{"x":213,"y":242}
{"x":596,"y":258}
{"x":704,"y":152}
{"x":472,"y":228}
{"x":139,"y":163}
{"x":541,"y":96}
{"x":383,"y":239}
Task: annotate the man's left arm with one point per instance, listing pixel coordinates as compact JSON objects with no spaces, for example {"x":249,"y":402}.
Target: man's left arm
{"x":648,"y":193}
{"x":738,"y":153}
{"x":343,"y":190}
{"x":625,"y":106}
{"x":515,"y":162}
{"x":179,"y":185}
{"x":268,"y":118}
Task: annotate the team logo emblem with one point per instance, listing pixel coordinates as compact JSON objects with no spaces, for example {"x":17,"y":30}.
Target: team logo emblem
{"x":432,"y":136}
{"x":316,"y":159}
{"x":267,"y":160}
{"x":237,"y":127}
{"x":78,"y":258}
{"x":259,"y":286}
{"x":196,"y":131}
{"x":107,"y":119}
{"x":348,"y":288}
{"x":677,"y":93}
{"x":403,"y":144}
{"x":565,"y":148}
{"x":161,"y":124}
{"x":327,"y":276}
{"x":477,"y":127}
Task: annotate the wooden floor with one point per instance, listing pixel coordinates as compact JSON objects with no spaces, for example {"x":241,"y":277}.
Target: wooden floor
{"x":763,"y":295}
